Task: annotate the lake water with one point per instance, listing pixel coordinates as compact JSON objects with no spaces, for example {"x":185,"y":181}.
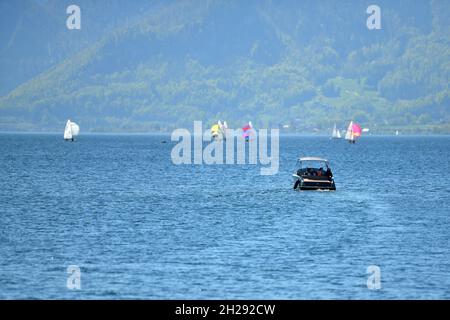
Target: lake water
{"x":139,"y":226}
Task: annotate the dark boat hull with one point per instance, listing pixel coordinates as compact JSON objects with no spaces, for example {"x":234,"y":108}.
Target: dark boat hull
{"x":301,"y":183}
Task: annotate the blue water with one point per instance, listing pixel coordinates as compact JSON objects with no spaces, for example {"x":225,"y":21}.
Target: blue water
{"x":140,"y":227}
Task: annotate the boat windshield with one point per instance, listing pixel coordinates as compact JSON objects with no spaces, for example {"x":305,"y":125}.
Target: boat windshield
{"x":313,"y":164}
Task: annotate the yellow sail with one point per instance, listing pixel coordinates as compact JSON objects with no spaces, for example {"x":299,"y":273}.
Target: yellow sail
{"x":215,"y":129}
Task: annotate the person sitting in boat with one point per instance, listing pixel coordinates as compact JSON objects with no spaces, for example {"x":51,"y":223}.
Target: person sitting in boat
{"x":328,"y":173}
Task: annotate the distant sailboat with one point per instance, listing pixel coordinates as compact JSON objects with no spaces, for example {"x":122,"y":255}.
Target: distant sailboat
{"x":353,"y":132}
{"x":219,"y":130}
{"x":215,"y":131}
{"x":247,"y":130}
{"x":71,"y":131}
{"x":336,"y":133}
{"x":223,"y":129}
{"x":396,"y":133}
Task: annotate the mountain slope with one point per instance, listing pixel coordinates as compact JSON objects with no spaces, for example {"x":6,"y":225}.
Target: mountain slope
{"x":308,"y":64}
{"x":34,"y":36}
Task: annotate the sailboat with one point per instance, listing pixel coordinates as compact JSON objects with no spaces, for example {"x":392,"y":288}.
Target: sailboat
{"x":215,"y":131}
{"x":353,"y":132}
{"x":396,"y":133}
{"x":71,"y":131}
{"x":336,"y":133}
{"x":247,"y":130}
{"x":223,"y":129}
{"x":219,"y":130}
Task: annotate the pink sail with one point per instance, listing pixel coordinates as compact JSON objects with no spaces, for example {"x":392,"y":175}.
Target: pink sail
{"x":356,"y":130}
{"x":246,"y":130}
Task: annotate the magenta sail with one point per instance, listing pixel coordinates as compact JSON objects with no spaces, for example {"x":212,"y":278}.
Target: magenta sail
{"x":356,"y":130}
{"x":246,"y":130}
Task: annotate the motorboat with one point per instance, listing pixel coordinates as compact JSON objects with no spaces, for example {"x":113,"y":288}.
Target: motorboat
{"x":313,"y":173}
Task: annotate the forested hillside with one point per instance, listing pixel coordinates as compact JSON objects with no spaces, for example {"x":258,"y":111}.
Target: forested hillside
{"x":154,"y":66}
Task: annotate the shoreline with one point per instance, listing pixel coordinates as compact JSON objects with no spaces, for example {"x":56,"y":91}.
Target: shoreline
{"x":165,"y":134}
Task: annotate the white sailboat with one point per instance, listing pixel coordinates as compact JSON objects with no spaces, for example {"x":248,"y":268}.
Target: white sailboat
{"x":71,"y":131}
{"x":223,"y":129}
{"x":336,"y":133}
{"x":349,"y":133}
